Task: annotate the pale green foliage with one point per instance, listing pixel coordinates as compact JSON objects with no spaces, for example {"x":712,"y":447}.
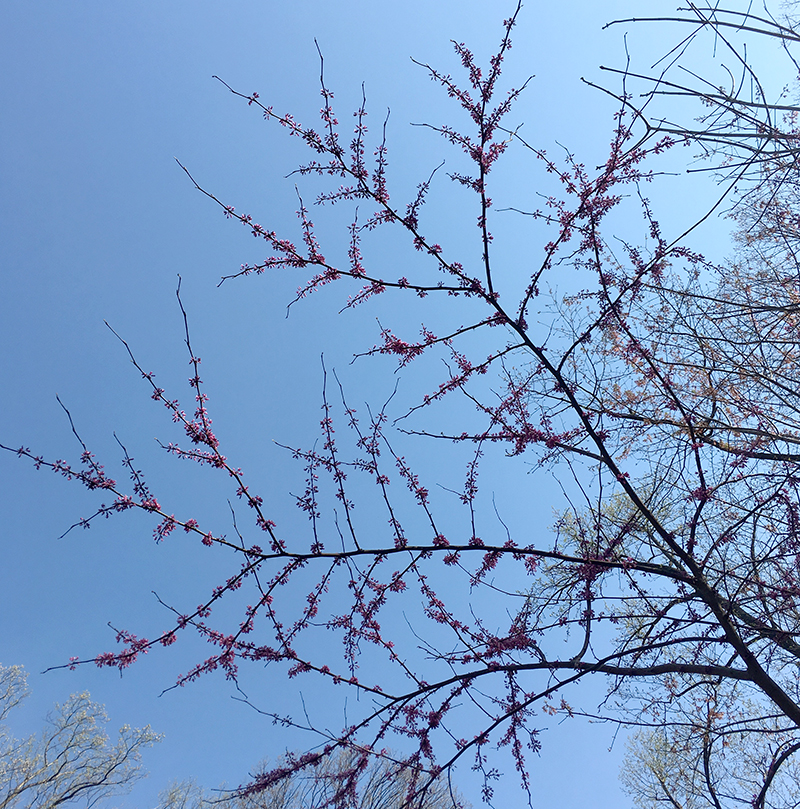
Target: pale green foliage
{"x":13,"y":689}
{"x":73,"y":760}
{"x":713,"y":757}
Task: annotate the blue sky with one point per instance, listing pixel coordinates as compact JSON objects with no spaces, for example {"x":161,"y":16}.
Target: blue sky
{"x":97,"y":222}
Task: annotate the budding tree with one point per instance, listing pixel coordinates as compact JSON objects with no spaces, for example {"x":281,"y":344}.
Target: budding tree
{"x":73,"y":760}
{"x":656,"y":386}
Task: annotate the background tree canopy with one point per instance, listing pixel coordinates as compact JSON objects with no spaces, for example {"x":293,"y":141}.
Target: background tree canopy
{"x":72,"y":760}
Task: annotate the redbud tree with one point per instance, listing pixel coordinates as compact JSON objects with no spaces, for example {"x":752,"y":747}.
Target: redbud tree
{"x":656,"y":387}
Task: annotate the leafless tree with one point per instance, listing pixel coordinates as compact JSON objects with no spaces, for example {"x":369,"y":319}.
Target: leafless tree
{"x":659,"y":388}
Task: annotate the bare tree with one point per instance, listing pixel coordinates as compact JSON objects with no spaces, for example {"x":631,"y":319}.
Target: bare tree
{"x":660,"y":390}
{"x":380,"y":783}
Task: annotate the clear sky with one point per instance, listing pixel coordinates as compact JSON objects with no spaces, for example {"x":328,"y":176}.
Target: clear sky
{"x":97,"y":221}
